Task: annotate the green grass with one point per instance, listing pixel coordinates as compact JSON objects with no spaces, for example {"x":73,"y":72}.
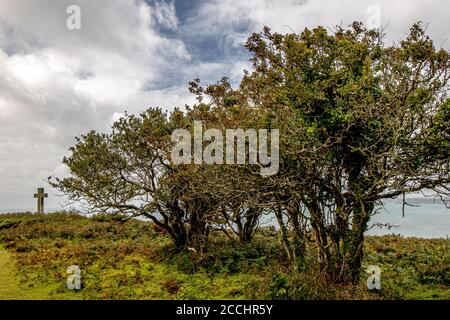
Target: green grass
{"x":413,"y":268}
{"x":8,"y":287}
{"x":10,"y":290}
{"x":134,"y":260}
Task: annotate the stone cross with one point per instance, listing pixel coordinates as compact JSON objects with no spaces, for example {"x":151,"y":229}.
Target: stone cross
{"x":40,"y":195}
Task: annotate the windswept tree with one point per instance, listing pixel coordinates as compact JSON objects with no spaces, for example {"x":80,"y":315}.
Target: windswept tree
{"x":359,"y":122}
{"x":243,"y":196}
{"x":129,"y":172}
{"x":237,"y":190}
{"x":366,"y":122}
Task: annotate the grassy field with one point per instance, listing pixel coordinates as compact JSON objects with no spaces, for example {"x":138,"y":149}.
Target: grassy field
{"x":135,"y":260}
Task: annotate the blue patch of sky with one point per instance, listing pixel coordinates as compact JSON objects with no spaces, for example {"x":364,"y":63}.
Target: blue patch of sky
{"x":212,"y":45}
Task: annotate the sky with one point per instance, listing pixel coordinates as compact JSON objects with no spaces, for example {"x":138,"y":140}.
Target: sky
{"x":57,"y":83}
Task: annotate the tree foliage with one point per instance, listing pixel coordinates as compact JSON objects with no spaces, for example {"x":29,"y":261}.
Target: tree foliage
{"x":359,"y":122}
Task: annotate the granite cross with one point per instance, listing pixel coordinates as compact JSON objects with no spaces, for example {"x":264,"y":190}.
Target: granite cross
{"x":40,"y":195}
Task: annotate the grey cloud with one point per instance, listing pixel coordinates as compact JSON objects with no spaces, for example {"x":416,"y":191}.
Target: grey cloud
{"x":56,"y":83}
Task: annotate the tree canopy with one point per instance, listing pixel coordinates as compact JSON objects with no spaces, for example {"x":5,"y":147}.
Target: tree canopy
{"x":359,"y":122}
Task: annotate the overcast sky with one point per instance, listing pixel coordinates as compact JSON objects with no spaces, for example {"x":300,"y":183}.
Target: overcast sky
{"x":57,"y":83}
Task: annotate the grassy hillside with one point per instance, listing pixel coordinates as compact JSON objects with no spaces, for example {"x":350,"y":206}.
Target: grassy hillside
{"x":135,"y":260}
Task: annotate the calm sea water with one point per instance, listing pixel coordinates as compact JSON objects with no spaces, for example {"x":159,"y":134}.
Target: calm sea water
{"x":424,"y":220}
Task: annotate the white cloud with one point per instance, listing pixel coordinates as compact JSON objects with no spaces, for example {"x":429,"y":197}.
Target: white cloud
{"x":235,"y":18}
{"x":116,"y":116}
{"x":57,"y":83}
{"x":164,"y":14}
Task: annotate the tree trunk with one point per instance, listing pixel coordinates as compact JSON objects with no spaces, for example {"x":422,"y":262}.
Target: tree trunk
{"x":298,"y":232}
{"x":246,"y":228}
{"x":284,"y":233}
{"x":179,"y":235}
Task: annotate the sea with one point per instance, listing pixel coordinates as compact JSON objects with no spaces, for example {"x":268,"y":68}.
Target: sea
{"x":421,"y":219}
